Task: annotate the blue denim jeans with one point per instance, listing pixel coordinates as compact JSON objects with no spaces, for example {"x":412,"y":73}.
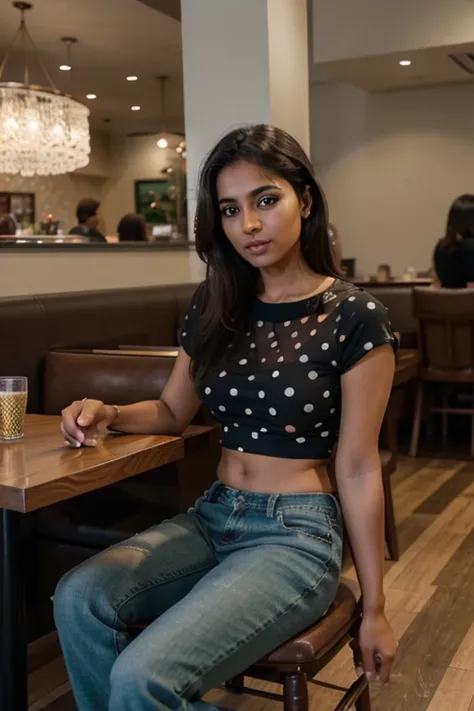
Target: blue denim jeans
{"x":229,"y":581}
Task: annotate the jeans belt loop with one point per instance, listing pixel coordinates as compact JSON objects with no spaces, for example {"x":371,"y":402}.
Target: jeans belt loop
{"x":271,"y":504}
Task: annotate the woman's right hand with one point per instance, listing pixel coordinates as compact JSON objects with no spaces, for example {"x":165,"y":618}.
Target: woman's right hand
{"x":82,"y":419}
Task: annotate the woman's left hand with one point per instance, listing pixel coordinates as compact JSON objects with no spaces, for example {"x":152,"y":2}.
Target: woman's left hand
{"x":378,"y":646}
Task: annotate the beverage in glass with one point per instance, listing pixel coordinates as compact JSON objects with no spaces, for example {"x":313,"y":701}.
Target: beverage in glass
{"x":13,"y":398}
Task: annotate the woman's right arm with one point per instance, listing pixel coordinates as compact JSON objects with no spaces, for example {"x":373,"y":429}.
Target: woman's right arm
{"x":170,"y":415}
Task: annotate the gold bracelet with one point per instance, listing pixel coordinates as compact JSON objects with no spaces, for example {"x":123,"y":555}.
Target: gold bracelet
{"x":117,"y":414}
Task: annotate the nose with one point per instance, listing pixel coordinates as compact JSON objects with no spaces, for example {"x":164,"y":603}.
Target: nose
{"x":251,"y":222}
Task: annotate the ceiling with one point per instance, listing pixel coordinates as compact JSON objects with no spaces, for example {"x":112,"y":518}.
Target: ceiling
{"x":429,"y":67}
{"x":116,"y":38}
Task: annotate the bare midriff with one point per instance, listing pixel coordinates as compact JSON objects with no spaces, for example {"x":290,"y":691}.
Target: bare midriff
{"x":273,"y":475}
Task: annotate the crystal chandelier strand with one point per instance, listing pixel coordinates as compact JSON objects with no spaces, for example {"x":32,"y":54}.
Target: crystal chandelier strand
{"x":41,"y":132}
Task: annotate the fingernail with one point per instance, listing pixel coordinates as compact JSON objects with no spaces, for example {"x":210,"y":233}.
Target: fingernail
{"x":81,"y":421}
{"x":77,"y":444}
{"x":369,"y":676}
{"x":91,"y":442}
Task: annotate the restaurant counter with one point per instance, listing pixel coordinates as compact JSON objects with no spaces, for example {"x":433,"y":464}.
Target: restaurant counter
{"x":58,"y":268}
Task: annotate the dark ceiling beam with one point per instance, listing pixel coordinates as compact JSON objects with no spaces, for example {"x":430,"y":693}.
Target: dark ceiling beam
{"x":172,"y":8}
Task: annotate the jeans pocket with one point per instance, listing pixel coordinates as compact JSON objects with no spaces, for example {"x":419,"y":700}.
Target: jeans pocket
{"x":307,"y":521}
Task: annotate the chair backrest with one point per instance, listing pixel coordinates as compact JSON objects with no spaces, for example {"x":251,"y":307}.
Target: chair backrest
{"x":446,"y":330}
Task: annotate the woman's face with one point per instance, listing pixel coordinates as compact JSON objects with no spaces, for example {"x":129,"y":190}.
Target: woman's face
{"x":261,"y":213}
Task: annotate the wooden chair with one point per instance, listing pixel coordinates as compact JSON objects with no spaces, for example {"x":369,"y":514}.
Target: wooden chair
{"x":446,"y":343}
{"x":298,"y":661}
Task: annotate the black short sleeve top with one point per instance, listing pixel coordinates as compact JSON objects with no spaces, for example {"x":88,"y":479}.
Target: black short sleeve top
{"x":280,"y":394}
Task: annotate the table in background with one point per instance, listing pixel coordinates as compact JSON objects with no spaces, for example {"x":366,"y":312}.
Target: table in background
{"x":35,"y":472}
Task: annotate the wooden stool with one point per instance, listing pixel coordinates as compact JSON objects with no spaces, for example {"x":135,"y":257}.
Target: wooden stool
{"x":297,"y":662}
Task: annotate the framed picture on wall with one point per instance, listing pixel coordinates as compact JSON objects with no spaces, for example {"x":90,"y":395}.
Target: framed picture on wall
{"x":156,"y":201}
{"x":20,"y":205}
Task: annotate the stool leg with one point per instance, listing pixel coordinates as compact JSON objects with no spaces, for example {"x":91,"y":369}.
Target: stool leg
{"x":236,"y":684}
{"x":391,"y":535}
{"x":295,"y":690}
{"x":417,"y":420}
{"x":363,"y":703}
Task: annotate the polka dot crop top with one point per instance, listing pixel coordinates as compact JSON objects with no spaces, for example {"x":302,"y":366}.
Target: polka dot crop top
{"x":280,"y":395}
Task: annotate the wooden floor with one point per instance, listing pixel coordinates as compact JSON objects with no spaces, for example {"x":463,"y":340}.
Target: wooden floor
{"x":430,"y":602}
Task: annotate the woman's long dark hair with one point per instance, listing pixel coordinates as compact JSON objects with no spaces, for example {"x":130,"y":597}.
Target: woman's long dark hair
{"x":231,"y":283}
{"x":460,"y":220}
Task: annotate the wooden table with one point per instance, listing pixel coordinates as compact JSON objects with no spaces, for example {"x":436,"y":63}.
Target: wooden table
{"x":35,"y":472}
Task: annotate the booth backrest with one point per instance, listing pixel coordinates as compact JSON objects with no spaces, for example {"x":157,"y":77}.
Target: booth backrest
{"x":31,"y":326}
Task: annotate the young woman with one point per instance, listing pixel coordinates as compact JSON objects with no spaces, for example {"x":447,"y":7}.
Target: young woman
{"x":289,"y":359}
{"x":454,"y":254}
{"x":132,"y":228}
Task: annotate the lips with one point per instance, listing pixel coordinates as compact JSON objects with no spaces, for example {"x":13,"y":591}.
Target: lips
{"x":257,"y":247}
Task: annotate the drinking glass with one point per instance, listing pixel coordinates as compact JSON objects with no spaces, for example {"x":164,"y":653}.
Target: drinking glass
{"x":13,"y":397}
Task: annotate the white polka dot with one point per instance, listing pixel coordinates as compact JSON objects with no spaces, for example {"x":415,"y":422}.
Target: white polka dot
{"x":274,"y":344}
{"x":251,"y":377}
{"x":208,"y":391}
{"x":263,"y":360}
{"x":294,"y":334}
{"x":226,"y":429}
{"x":297,"y":346}
{"x":335,"y":331}
{"x":223,"y":374}
{"x":272,"y":412}
{"x":260,"y":324}
{"x":234,"y":392}
{"x":352,"y":298}
{"x":261,"y":394}
{"x":304,"y":359}
{"x":332,"y":410}
{"x":248,"y":411}
{"x":236,"y":424}
{"x":289,"y":392}
{"x":255,"y":435}
{"x":300,"y":440}
{"x":320,"y":424}
{"x":326,"y":394}
{"x":313,"y":332}
{"x":186,"y":317}
{"x":184,"y":334}
{"x":312,"y":375}
{"x":371,"y":305}
{"x":324,"y":434}
{"x":333,"y":363}
{"x":244,"y":361}
{"x":252,"y":345}
{"x":194,"y":307}
{"x":309,"y":408}
{"x":239,"y":449}
{"x":222,"y":408}
{"x":280,"y":359}
{"x":342,"y":339}
{"x":325,"y":346}
{"x":338,"y":318}
{"x":287,"y":323}
{"x":275,"y":374}
{"x":271,"y":334}
{"x":248,"y":334}
{"x":264,"y":430}
{"x":368,"y":346}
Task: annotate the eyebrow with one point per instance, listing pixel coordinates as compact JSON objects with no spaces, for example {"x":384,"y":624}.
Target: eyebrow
{"x":253,"y":193}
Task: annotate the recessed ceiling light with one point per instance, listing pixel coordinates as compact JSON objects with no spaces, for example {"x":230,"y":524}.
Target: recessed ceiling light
{"x":91,"y":96}
{"x":132,"y":77}
{"x":135,"y":108}
{"x":65,"y":67}
{"x":405,"y":63}
{"x":162,"y":143}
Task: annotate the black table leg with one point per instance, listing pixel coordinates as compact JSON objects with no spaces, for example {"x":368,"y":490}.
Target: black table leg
{"x":13,"y":632}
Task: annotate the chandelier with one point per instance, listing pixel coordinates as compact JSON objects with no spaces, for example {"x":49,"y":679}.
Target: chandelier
{"x":42,"y":130}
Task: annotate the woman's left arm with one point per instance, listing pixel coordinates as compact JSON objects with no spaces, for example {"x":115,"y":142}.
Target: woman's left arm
{"x":365,"y":393}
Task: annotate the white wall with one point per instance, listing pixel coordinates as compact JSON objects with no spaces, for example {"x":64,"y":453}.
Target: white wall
{"x":391,"y":164}
{"x":344,"y":29}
